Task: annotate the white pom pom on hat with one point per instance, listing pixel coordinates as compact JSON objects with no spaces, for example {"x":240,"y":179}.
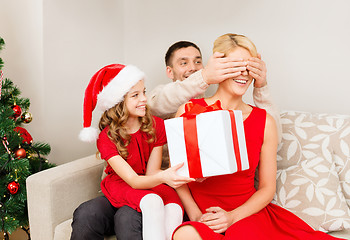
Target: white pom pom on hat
{"x":89,"y":134}
{"x":106,"y":88}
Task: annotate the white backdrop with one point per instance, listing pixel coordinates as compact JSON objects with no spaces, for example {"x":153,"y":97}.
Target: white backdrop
{"x":53,"y":47}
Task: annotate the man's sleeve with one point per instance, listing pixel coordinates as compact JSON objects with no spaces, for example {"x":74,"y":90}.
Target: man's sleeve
{"x":164,"y":100}
{"x":262,"y":99}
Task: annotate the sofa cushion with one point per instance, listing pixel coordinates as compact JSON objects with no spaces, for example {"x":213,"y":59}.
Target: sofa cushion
{"x":64,"y":230}
{"x":307,"y":179}
{"x":340,"y":149}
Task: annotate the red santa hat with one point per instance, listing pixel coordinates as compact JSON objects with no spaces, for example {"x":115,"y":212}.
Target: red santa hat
{"x":106,"y":89}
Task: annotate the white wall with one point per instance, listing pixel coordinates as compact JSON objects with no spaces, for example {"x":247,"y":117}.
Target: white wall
{"x":79,"y":38}
{"x":52,"y":50}
{"x":54,"y":47}
{"x":304,"y":43}
{"x":21,"y":28}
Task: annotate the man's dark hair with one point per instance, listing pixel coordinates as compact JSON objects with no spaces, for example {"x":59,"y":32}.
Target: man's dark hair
{"x":176,"y":46}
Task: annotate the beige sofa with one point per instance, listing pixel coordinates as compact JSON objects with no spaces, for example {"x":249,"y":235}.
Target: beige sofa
{"x":313,"y":179}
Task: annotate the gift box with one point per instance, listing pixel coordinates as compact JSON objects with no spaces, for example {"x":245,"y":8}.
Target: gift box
{"x":210,"y":143}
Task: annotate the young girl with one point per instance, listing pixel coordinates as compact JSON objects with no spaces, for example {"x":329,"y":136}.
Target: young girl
{"x":131,"y":142}
{"x":228,"y":206}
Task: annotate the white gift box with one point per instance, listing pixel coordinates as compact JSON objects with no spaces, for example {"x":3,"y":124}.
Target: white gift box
{"x":220,"y":146}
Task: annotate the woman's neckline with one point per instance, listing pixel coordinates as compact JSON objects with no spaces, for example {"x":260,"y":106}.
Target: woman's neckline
{"x":242,"y":111}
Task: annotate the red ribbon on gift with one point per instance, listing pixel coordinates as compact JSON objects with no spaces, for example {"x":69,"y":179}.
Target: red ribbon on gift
{"x":235,"y":141}
{"x":191,"y":138}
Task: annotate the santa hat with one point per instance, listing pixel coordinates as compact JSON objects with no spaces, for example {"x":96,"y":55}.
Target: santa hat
{"x":106,"y":89}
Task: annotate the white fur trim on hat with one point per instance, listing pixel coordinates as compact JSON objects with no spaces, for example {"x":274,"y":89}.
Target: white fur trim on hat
{"x":114,"y":92}
{"x":89,"y":134}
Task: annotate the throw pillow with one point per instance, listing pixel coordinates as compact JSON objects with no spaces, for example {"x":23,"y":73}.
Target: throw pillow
{"x":307,"y":182}
{"x":340,"y":149}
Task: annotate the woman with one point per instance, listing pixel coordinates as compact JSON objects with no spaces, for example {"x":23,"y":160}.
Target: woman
{"x":228,"y":206}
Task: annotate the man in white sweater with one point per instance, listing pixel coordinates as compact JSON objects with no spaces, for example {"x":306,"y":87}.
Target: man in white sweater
{"x":97,"y":217}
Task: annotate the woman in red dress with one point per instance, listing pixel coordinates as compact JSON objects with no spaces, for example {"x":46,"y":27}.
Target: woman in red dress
{"x":228,"y":206}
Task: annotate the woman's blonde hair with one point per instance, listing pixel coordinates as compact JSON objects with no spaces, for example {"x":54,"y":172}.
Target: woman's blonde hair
{"x":228,"y":42}
{"x":116,"y":118}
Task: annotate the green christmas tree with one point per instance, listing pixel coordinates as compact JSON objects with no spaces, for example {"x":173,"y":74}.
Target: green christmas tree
{"x":20,"y":156}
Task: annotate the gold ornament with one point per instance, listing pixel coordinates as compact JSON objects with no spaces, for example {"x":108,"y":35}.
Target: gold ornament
{"x":27,"y":117}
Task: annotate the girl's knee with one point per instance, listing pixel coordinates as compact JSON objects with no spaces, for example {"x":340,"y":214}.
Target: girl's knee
{"x":151,"y":202}
{"x":173,"y":207}
{"x":186,"y":232}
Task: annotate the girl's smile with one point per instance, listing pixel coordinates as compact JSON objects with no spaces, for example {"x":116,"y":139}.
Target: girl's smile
{"x":136,"y":100}
{"x":141,"y":107}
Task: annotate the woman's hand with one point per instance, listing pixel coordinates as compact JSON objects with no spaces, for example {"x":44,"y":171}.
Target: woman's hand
{"x":257,"y":69}
{"x":170,"y":177}
{"x":217,"y":219}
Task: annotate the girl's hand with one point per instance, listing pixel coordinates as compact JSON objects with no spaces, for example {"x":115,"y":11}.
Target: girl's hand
{"x":257,"y":69}
{"x":217,"y":219}
{"x":201,"y":179}
{"x":170,"y":177}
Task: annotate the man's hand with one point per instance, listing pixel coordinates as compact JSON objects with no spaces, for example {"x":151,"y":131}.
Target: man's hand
{"x":217,"y":219}
{"x":220,"y":68}
{"x":257,"y":69}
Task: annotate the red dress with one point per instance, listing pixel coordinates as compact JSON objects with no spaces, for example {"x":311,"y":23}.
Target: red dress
{"x":232,"y":190}
{"x":116,"y":190}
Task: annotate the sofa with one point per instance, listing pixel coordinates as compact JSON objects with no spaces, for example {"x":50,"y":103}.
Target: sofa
{"x":313,"y":179}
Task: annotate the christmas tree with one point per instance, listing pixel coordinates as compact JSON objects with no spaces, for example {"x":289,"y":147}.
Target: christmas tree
{"x":20,"y":156}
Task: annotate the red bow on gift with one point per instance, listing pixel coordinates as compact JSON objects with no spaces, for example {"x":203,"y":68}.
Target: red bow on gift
{"x":192,"y":109}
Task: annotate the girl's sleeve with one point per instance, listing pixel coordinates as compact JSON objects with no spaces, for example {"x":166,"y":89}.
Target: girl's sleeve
{"x":160,"y":132}
{"x":105,"y":146}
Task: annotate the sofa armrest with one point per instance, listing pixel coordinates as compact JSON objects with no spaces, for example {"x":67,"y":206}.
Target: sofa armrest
{"x":55,"y":193}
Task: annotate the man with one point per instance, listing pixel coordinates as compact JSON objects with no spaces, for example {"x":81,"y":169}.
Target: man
{"x":97,"y":217}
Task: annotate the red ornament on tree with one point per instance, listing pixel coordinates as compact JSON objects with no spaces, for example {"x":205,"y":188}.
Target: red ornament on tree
{"x":27,"y":138}
{"x":13,"y":187}
{"x":18,"y":111}
{"x":20,"y":153}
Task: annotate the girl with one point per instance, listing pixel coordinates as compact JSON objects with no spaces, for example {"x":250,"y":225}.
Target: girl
{"x":228,"y":206}
{"x":131,"y":142}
